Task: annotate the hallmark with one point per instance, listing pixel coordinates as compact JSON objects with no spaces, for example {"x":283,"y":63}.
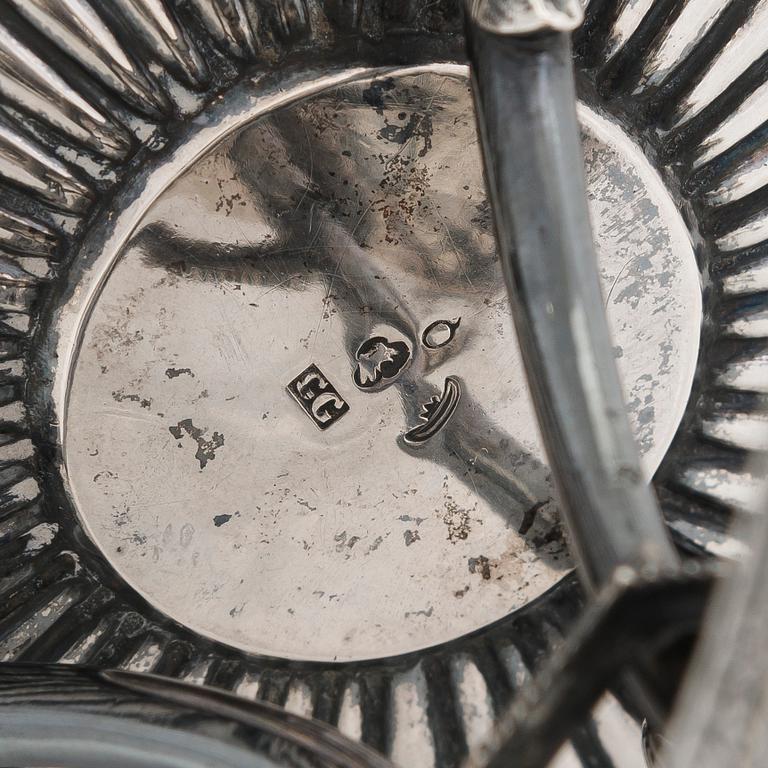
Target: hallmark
{"x":435,"y":413}
{"x":317,"y":397}
{"x":379,"y":362}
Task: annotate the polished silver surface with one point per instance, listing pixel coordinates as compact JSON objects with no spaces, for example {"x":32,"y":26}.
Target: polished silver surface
{"x":339,"y":232}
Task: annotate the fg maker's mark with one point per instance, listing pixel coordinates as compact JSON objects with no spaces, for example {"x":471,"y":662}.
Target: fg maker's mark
{"x":317,"y":397}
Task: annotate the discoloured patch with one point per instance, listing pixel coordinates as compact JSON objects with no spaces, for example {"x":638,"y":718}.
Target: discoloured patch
{"x":554,"y":535}
{"x":418,"y":126}
{"x":173,"y":373}
{"x":374,"y":94}
{"x":206,"y":449}
{"x":411,"y":537}
{"x":227,"y":202}
{"x":529,"y":517}
{"x":456,"y":521}
{"x":186,"y":534}
{"x":120,"y":396}
{"x":481,"y":565}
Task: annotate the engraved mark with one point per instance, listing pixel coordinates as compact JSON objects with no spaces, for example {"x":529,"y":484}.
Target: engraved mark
{"x":440,"y":333}
{"x":380,"y":361}
{"x":436,"y":413}
{"x":317,"y":397}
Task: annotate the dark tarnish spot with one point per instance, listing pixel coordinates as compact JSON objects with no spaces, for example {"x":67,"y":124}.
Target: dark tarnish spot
{"x":206,"y":449}
{"x":483,"y":218}
{"x":219,"y":520}
{"x":409,"y":519}
{"x":529,"y":517}
{"x":456,"y":521}
{"x":418,"y":126}
{"x":410,"y":537}
{"x":119,"y":396}
{"x":172,"y":373}
{"x":426,"y":613}
{"x":374,"y":96}
{"x":481,"y":565}
{"x":554,"y":535}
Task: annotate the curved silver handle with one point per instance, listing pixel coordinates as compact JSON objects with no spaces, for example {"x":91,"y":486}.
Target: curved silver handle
{"x":525,"y":103}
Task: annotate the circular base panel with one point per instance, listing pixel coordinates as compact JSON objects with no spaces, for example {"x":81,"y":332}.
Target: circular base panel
{"x":298,"y":422}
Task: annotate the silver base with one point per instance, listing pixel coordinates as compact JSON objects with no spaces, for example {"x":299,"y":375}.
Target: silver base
{"x":346,"y":230}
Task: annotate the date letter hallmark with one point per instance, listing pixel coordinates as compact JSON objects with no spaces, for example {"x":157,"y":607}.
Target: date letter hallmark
{"x":317,"y":397}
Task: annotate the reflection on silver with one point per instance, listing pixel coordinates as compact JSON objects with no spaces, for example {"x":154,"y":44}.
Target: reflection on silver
{"x":435,"y":413}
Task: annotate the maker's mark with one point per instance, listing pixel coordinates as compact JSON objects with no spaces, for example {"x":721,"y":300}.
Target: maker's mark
{"x":317,"y":397}
{"x":440,"y":333}
{"x":380,"y":361}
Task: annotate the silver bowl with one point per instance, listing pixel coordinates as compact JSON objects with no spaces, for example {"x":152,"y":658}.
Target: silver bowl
{"x":265,"y":424}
